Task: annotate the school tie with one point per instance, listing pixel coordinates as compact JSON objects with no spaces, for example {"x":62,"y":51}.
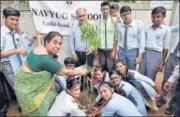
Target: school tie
{"x":125,"y":38}
{"x":176,"y":49}
{"x":15,"y":45}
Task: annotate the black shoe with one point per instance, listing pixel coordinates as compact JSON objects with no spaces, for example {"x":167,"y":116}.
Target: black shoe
{"x":161,"y":102}
{"x":19,"y":109}
{"x":169,"y":111}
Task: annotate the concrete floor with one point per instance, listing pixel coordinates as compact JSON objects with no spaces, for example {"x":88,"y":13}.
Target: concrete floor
{"x":13,"y":109}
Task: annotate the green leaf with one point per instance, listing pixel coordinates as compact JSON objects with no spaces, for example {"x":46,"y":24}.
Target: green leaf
{"x":89,"y":35}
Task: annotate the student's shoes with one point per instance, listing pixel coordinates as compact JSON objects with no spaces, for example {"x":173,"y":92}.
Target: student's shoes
{"x":161,"y":102}
{"x":169,"y":111}
{"x":19,"y":109}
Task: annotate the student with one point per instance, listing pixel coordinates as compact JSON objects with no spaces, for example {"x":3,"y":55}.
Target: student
{"x":116,"y":105}
{"x":143,"y":84}
{"x":11,"y":52}
{"x":13,"y":48}
{"x":129,"y":39}
{"x":106,"y":31}
{"x":79,"y":49}
{"x":130,"y":92}
{"x":157,"y":45}
{"x":99,"y":75}
{"x":114,"y":11}
{"x":66,"y":103}
{"x":172,"y":61}
{"x":60,"y":81}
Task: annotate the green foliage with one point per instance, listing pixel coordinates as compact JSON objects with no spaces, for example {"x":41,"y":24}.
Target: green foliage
{"x":89,"y":35}
{"x":121,"y":1}
{"x":23,"y":1}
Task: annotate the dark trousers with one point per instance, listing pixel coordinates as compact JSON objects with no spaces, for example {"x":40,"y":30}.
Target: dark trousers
{"x":171,"y":63}
{"x":177,"y":94}
{"x":105,"y":59}
{"x":84,"y":59}
{"x":3,"y":96}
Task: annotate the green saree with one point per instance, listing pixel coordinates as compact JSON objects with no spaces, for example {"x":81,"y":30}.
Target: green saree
{"x":34,"y":93}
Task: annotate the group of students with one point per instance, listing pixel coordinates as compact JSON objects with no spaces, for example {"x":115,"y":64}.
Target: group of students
{"x":127,"y":91}
{"x":125,"y":38}
{"x":38,"y":79}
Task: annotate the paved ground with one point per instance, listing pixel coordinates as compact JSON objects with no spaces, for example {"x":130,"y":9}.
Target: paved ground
{"x":13,"y":110}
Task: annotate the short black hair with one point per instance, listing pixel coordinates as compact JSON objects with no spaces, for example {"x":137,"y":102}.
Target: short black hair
{"x":159,"y":9}
{"x":114,"y":6}
{"x":114,"y":72}
{"x":125,"y":9}
{"x":106,"y":83}
{"x":71,"y":81}
{"x":104,"y":4}
{"x":69,"y":60}
{"x":51,"y":35}
{"x":9,"y":11}
{"x":98,"y":68}
{"x":120,"y":61}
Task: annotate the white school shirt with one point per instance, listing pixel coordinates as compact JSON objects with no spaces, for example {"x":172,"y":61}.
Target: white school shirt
{"x":8,"y":44}
{"x":65,"y":105}
{"x":157,"y":39}
{"x":120,"y":106}
{"x":139,"y":76}
{"x":135,"y":35}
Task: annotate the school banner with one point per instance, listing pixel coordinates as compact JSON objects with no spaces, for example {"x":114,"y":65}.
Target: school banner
{"x":60,"y":15}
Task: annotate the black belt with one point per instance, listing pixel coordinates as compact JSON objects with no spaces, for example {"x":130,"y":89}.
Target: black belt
{"x":5,"y":62}
{"x":80,"y":52}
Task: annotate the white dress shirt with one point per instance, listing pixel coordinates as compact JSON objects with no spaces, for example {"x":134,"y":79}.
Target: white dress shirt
{"x":65,"y":105}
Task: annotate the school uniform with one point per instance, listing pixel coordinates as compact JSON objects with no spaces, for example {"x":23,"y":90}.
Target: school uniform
{"x":11,"y":40}
{"x":106,"y":31}
{"x":119,"y":106}
{"x":97,"y":83}
{"x":172,"y":61}
{"x":144,"y":85}
{"x":131,"y":42}
{"x":65,"y":105}
{"x":132,"y":94}
{"x":156,"y":40}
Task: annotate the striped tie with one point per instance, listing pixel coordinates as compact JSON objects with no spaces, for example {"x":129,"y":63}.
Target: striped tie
{"x":15,"y":45}
{"x":125,"y":39}
{"x":176,"y":49}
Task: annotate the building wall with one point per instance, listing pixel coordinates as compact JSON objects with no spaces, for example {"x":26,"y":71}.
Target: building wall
{"x":140,"y":10}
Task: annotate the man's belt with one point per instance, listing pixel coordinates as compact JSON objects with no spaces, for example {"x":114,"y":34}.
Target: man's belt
{"x":80,"y":52}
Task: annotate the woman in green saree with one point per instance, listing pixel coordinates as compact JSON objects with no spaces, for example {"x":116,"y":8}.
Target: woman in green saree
{"x":34,"y":80}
